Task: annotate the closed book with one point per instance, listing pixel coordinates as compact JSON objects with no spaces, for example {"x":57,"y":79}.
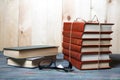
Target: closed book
{"x":83,"y":27}
{"x":30,"y":51}
{"x":93,"y":56}
{"x":82,"y":35}
{"x":73,"y":34}
{"x":98,"y":26}
{"x":73,"y":40}
{"x":88,"y":65}
{"x":87,"y":41}
{"x":86,"y":48}
{"x":76,"y":26}
{"x":28,"y":62}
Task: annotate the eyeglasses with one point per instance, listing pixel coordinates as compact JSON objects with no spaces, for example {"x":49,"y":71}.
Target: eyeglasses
{"x":58,"y":64}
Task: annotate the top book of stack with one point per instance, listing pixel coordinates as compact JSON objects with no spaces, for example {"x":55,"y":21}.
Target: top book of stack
{"x":30,"y":51}
{"x":84,"y":31}
{"x":89,"y":27}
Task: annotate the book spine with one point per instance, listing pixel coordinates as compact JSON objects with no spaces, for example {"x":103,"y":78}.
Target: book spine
{"x":77,"y":26}
{"x":73,"y":40}
{"x":74,"y":62}
{"x":73,"y":54}
{"x":73,"y":35}
{"x":73,"y":47}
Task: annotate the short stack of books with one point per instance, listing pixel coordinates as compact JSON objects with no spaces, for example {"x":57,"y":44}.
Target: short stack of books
{"x":29,"y":56}
{"x":87,"y":45}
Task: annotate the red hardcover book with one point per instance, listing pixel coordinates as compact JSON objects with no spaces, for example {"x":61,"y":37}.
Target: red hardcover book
{"x":83,"y":27}
{"x":73,"y":34}
{"x":86,"y":41}
{"x":92,"y":56}
{"x":76,"y":26}
{"x":73,"y":40}
{"x":72,"y":46}
{"x":88,"y":65}
{"x":82,"y":35}
{"x":85,"y":48}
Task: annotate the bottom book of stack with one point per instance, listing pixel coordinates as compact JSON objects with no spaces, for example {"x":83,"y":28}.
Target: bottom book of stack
{"x":28,"y":62}
{"x":88,"y":65}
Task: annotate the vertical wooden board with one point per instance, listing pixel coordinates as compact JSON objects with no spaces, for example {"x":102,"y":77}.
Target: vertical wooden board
{"x":11,"y":23}
{"x":88,"y":9}
{"x":1,"y":23}
{"x":39,"y":22}
{"x":68,"y":10}
{"x":47,"y":22}
{"x":113,"y":17}
{"x":25,"y":27}
{"x":54,"y":23}
{"x":82,"y":9}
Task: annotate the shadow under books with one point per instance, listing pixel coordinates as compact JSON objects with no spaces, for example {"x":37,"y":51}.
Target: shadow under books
{"x":115,"y":60}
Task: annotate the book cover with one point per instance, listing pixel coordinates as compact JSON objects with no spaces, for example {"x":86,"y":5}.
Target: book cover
{"x":73,"y":34}
{"x":76,"y":26}
{"x":30,"y":51}
{"x":73,"y":40}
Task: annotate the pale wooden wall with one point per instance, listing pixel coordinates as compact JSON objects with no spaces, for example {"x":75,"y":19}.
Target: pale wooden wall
{"x":47,"y":22}
{"x":113,"y":15}
{"x":33,"y":22}
{"x":9,"y":23}
{"x":68,"y":10}
{"x":1,"y":23}
{"x":25,"y":23}
{"x":13,"y":22}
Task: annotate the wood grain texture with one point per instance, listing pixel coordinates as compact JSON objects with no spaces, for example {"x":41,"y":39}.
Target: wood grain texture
{"x":25,"y":30}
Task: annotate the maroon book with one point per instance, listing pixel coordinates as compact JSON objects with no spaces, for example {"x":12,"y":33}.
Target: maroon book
{"x":83,"y":27}
{"x":88,"y":65}
{"x":89,"y":41}
{"x":73,"y":40}
{"x":85,"y":48}
{"x":72,"y":34}
{"x":71,"y":46}
{"x":89,"y":55}
{"x":76,"y":26}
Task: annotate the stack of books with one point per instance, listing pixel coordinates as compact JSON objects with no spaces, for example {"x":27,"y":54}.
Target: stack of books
{"x":29,"y":56}
{"x":87,"y":45}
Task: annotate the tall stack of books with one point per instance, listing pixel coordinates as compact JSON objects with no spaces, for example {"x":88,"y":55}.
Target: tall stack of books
{"x":87,"y":45}
{"x":29,"y":56}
